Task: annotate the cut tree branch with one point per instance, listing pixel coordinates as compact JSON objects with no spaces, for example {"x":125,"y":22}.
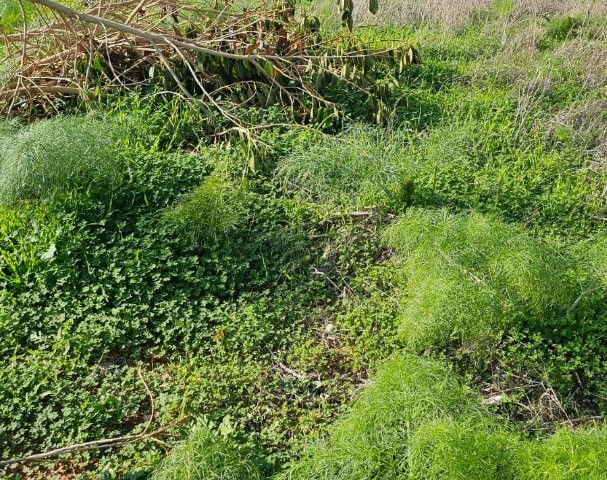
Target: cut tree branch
{"x":153,"y":38}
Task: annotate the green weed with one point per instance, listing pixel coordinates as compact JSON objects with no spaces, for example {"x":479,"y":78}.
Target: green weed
{"x":214,"y":208}
{"x":416,"y":422}
{"x":55,"y":156}
{"x":27,"y":243}
{"x":261,"y":312}
{"x":560,"y":28}
{"x":206,"y":456}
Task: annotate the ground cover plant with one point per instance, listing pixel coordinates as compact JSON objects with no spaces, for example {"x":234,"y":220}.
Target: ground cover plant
{"x":408,"y":283}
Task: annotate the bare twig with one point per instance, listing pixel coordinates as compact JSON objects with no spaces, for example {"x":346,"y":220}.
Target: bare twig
{"x":93,"y":445}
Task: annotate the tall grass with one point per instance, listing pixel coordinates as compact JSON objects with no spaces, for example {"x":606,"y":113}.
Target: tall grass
{"x":55,"y":156}
{"x":454,"y":14}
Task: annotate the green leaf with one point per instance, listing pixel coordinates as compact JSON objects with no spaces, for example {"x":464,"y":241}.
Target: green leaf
{"x":373,"y":6}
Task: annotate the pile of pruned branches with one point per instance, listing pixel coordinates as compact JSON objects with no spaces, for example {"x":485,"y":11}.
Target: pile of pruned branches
{"x":226,"y":57}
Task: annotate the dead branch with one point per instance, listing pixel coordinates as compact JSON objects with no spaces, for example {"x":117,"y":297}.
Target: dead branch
{"x":223,"y":59}
{"x":153,"y":38}
{"x":93,"y":445}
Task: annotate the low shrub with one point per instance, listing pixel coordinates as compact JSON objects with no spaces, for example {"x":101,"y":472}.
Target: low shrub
{"x":212,"y":209}
{"x":471,"y":277}
{"x":204,"y":455}
{"x":55,"y":156}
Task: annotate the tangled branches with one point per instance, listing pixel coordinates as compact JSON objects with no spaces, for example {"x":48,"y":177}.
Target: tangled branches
{"x":219,"y":55}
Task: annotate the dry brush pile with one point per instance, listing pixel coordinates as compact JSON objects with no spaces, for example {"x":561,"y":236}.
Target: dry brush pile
{"x":224,"y":56}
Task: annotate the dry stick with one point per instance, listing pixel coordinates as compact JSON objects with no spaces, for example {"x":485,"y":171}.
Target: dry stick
{"x":224,"y":112}
{"x":45,"y":94}
{"x":104,"y":443}
{"x":135,"y":12}
{"x":163,"y":39}
{"x":151,"y":402}
{"x":151,"y":37}
{"x":23,"y":52}
{"x":82,"y":447}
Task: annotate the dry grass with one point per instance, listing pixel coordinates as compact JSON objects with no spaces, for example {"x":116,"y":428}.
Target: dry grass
{"x":585,"y":122}
{"x":454,"y":14}
{"x":561,"y":7}
{"x":587,"y":59}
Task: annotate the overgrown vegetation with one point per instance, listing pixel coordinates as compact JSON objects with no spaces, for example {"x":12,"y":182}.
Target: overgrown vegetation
{"x":211,"y":296}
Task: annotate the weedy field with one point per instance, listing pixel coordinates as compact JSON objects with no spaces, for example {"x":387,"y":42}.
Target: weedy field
{"x":325,"y":270}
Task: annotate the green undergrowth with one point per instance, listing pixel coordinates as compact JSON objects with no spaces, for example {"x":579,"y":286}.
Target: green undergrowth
{"x":471,"y":163}
{"x":238,"y":297}
{"x":214,"y":208}
{"x":509,"y":308}
{"x":371,"y":442}
{"x":417,"y":421}
{"x":178,"y":293}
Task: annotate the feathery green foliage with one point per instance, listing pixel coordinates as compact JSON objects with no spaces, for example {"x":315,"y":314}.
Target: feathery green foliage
{"x":416,"y":422}
{"x":214,"y":208}
{"x":7,"y":128}
{"x":565,"y":455}
{"x":55,"y":156}
{"x":361,"y":168}
{"x":471,"y":277}
{"x":471,"y":448}
{"x":372,"y":441}
{"x":204,"y":455}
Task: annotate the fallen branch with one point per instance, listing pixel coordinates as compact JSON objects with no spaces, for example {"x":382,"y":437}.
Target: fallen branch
{"x":153,"y":38}
{"x":43,"y":89}
{"x":225,"y":59}
{"x":93,"y":445}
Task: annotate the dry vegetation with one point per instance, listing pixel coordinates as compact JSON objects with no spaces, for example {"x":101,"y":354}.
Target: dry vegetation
{"x":454,"y":14}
